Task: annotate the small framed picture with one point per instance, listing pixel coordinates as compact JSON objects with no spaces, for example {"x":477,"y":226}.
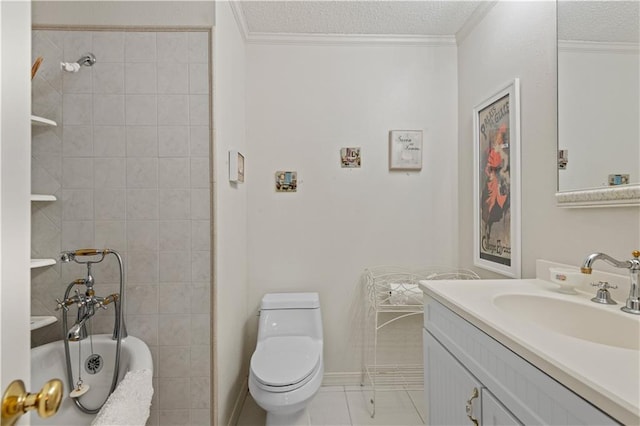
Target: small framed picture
{"x":405,"y":150}
{"x":350,"y":158}
{"x":286,"y":181}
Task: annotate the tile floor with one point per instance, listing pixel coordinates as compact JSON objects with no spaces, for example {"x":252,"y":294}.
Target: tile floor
{"x":347,"y":406}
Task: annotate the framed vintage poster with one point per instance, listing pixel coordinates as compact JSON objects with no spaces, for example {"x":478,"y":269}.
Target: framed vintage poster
{"x":496,"y":183}
{"x":405,"y":150}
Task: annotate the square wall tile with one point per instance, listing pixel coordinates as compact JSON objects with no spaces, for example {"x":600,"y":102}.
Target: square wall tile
{"x":76,"y":234}
{"x":173,"y":141}
{"x":108,"y":78}
{"x":142,"y":204}
{"x":77,"y":82}
{"x":141,"y":110}
{"x":142,"y":172}
{"x":110,"y":172}
{"x":142,"y":299}
{"x":175,"y":266}
{"x":173,"y":110}
{"x":108,"y":110}
{"x":173,"y":172}
{"x":174,"y":299}
{"x":175,"y":235}
{"x":109,"y":141}
{"x":108,"y":46}
{"x":142,"y":141}
{"x":110,"y":234}
{"x":174,"y":361}
{"x":77,"y":110}
{"x":140,"y":78}
{"x":175,"y":331}
{"x":199,"y":47}
{"x":77,"y":141}
{"x":77,"y":204}
{"x":174,"y":204}
{"x":173,"y":47}
{"x":173,"y":78}
{"x":110,"y":204}
{"x":200,"y":140}
{"x":142,"y":267}
{"x":199,"y":79}
{"x":199,"y":110}
{"x":140,"y":47}
{"x":142,"y":235}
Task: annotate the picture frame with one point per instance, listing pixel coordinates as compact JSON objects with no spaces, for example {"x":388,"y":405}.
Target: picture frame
{"x":350,"y":158}
{"x":496,"y":182}
{"x":405,"y":150}
{"x":286,"y":181}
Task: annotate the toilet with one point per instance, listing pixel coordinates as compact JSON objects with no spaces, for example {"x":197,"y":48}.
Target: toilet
{"x":287,"y":366}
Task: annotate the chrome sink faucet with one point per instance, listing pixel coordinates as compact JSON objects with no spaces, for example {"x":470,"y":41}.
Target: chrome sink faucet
{"x":632,"y":305}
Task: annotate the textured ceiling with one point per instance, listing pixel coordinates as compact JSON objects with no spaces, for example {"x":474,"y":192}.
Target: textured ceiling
{"x":434,"y":18}
{"x":606,"y":21}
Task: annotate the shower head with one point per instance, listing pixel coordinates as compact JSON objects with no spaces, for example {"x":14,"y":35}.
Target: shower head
{"x":86,"y":60}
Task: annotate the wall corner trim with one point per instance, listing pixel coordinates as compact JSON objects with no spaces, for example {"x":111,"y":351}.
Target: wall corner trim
{"x":241,"y":21}
{"x":349,"y":39}
{"x":476,"y":17}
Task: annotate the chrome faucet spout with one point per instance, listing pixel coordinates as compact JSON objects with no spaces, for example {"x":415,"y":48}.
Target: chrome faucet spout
{"x":632,"y":305}
{"x":586,"y":266}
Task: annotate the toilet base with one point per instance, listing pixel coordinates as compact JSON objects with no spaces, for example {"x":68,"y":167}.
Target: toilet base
{"x":298,"y":418}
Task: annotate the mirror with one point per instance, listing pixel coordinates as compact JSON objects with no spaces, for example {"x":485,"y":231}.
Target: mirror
{"x":598,"y":102}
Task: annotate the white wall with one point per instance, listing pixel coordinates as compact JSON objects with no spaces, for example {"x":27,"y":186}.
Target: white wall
{"x":598,"y":101}
{"x":230,"y":216}
{"x":304,"y":103}
{"x":517,"y":39}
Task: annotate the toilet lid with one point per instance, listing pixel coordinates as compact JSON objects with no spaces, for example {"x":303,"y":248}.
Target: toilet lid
{"x":285,"y":360}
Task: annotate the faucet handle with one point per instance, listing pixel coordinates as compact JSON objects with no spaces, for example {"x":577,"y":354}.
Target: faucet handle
{"x":61,"y":305}
{"x":635,"y":253}
{"x":603,"y":285}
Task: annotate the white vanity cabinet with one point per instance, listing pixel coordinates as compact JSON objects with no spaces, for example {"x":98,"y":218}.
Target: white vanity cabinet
{"x":460,"y":357}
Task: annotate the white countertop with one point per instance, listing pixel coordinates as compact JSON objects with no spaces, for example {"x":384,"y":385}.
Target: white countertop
{"x":606,"y":376}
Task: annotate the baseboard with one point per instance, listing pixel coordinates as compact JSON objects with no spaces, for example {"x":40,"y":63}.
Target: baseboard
{"x":240,"y":398}
{"x":342,"y":379}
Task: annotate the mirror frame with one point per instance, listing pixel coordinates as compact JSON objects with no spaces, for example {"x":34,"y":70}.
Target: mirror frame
{"x":615,"y":196}
{"x":618,"y":196}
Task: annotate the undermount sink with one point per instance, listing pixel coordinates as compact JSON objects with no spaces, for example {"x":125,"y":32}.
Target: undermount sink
{"x":597,"y":323}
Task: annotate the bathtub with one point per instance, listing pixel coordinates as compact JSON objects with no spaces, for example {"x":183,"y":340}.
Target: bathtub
{"x":48,"y":362}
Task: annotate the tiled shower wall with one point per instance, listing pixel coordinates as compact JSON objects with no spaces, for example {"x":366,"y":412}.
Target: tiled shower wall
{"x":129,"y":165}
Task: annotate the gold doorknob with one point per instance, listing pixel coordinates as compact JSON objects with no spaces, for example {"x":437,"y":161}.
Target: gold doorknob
{"x":16,"y":400}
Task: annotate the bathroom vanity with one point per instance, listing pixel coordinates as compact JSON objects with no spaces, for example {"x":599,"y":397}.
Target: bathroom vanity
{"x":519,"y":352}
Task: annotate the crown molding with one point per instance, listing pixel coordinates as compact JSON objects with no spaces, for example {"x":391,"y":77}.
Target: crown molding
{"x":597,"y":47}
{"x":476,"y":17}
{"x":349,"y":39}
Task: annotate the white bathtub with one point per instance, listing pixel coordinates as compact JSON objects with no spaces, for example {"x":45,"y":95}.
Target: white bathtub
{"x":48,"y":362}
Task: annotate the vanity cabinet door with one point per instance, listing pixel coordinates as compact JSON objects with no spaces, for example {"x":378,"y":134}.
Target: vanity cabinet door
{"x":494,"y":413}
{"x":452,"y":393}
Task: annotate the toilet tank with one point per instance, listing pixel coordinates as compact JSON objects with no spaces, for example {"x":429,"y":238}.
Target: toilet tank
{"x":290,"y":314}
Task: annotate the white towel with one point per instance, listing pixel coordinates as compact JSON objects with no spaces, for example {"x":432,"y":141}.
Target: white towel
{"x":129,"y":403}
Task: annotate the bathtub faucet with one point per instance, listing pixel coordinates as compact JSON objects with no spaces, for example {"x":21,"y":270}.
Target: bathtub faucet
{"x":632,"y":305}
{"x":87,"y":302}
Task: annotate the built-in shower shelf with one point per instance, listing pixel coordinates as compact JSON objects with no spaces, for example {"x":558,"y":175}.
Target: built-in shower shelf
{"x":37,"y":322}
{"x":42,"y":121}
{"x":43,"y":197}
{"x":40,"y":263}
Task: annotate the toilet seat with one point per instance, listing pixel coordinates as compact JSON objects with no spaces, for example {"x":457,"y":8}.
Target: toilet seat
{"x":285,"y":363}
